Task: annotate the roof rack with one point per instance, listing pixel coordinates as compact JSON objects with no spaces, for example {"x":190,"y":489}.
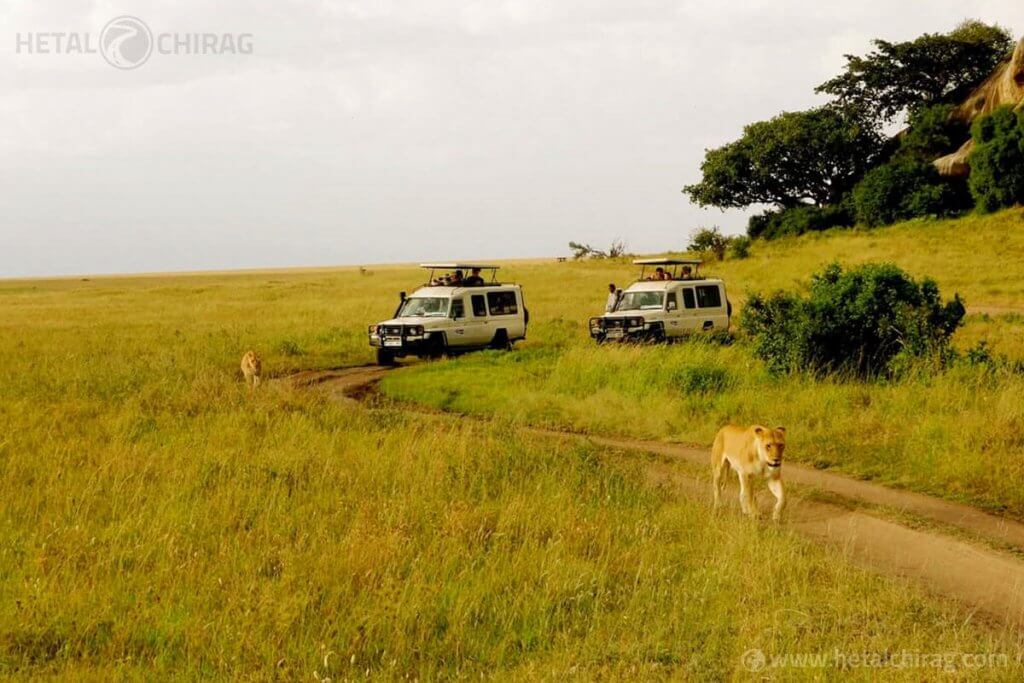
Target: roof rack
{"x":464,"y":267}
{"x":667,"y":262}
{"x":458,"y":266}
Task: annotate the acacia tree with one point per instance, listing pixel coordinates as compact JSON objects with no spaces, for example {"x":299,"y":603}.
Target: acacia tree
{"x":936,"y":68}
{"x":795,"y":159}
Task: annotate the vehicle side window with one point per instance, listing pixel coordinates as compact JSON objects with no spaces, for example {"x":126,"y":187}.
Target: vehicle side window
{"x":479,"y":306}
{"x":709,"y":296}
{"x":671,"y":303}
{"x":458,"y":308}
{"x":688,"y":300}
{"x":502,"y":303}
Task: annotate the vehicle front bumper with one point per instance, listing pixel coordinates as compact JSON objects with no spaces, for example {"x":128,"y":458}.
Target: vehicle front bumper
{"x":400,"y":339}
{"x":618,"y":329}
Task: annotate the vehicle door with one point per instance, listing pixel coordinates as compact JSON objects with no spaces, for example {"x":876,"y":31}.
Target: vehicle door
{"x":459,"y":330}
{"x":673,"y":314}
{"x":479,"y":329}
{"x":688,"y":320}
{"x":711,"y":309}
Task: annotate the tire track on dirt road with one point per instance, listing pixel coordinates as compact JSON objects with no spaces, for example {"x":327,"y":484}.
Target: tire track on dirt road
{"x":985,"y":579}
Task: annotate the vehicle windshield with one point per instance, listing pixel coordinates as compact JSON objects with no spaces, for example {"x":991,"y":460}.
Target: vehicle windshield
{"x":424,"y":307}
{"x":641,"y":301}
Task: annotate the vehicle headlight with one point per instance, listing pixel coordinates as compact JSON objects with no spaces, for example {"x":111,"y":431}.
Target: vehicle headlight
{"x":636,"y":322}
{"x":416,"y":330}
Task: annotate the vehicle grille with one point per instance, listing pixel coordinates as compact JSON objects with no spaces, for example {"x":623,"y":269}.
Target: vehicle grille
{"x":614,"y":323}
{"x":393,"y":330}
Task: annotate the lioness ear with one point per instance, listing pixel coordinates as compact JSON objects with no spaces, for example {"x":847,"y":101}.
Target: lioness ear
{"x":781,"y":429}
{"x":759,"y":430}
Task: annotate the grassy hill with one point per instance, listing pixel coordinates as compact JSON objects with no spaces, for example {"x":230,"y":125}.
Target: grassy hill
{"x":157,"y":522}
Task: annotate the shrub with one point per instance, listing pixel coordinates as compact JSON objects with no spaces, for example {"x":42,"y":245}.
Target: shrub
{"x":739,"y":247}
{"x":867,"y":321}
{"x":616,"y":250}
{"x":932,"y":133}
{"x":997,"y":162}
{"x":905,"y":188}
{"x":709,"y":240}
{"x":796,"y":221}
{"x":290,"y":348}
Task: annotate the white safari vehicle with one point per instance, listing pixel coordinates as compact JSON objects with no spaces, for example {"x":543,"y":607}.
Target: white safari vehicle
{"x":451,"y":315}
{"x":673,"y":300}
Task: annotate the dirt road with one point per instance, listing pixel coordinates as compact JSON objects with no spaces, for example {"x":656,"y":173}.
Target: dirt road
{"x":986,"y":579}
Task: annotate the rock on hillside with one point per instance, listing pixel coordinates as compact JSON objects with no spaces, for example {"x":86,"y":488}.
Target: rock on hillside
{"x":1005,"y":86}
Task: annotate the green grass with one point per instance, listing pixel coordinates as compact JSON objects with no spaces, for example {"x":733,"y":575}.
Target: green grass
{"x":955,"y":434}
{"x":157,"y":523}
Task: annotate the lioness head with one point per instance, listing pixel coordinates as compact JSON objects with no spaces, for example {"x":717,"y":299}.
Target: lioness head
{"x":770,"y":445}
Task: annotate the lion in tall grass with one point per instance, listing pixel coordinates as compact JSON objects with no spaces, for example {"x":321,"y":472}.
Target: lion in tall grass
{"x":252,"y":369}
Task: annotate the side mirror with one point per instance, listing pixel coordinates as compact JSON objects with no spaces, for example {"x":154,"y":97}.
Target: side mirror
{"x":401,"y":296}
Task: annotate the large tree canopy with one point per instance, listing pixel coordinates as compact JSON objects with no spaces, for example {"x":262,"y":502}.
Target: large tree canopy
{"x":897,"y":78}
{"x":794,"y":159}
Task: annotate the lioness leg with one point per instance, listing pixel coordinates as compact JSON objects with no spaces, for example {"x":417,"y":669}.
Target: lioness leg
{"x":775,"y":486}
{"x":746,"y":494}
{"x":719,"y":470}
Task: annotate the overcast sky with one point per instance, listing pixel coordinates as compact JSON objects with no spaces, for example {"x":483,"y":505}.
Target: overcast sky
{"x":367,"y":132}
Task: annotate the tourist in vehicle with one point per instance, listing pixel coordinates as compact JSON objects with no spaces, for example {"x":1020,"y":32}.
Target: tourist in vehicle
{"x":474,"y":279}
{"x":660,"y":274}
{"x":687,"y":273}
{"x":457,"y":280}
{"x":613,"y":298}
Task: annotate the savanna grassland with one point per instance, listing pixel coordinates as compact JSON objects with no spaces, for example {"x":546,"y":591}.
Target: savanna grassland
{"x":156,"y":522}
{"x":957,"y":433}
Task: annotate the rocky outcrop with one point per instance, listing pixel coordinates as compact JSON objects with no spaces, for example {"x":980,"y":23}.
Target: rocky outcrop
{"x":1004,"y":87}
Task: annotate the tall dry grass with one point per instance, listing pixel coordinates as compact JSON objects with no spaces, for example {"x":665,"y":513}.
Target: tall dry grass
{"x":158,"y":524}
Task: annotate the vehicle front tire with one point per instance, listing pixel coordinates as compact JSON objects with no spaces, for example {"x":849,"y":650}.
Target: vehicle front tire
{"x":438,"y":347}
{"x":385,"y":357}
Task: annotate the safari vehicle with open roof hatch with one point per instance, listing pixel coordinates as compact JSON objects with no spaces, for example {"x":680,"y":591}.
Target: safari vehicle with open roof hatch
{"x":448,"y":316}
{"x":670,"y":300}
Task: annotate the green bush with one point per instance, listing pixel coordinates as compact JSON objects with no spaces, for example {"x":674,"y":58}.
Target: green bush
{"x":798,"y":220}
{"x":905,"y":188}
{"x":997,"y":162}
{"x":932,"y":133}
{"x":709,"y":241}
{"x":866,"y":321}
{"x":739,"y":247}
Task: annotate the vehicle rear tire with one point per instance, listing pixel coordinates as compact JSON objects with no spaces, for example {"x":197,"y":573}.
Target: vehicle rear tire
{"x":385,"y":357}
{"x":500,"y":341}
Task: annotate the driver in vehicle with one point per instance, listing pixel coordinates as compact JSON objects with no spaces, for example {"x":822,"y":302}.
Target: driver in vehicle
{"x":474,"y":279}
